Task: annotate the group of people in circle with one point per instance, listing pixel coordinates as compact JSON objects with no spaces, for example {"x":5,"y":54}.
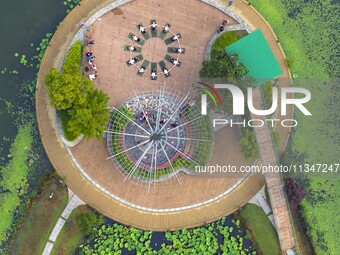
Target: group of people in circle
{"x":137,"y":39}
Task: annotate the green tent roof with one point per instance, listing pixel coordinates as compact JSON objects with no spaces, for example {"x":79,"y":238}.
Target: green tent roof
{"x":255,"y":53}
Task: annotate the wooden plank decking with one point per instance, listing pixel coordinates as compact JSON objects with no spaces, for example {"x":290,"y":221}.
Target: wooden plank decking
{"x":273,"y":180}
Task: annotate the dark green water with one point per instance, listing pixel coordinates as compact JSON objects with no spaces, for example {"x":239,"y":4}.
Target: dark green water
{"x":21,"y":24}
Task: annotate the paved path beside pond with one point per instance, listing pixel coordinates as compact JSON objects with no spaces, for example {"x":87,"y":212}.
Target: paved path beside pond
{"x":73,"y":202}
{"x":259,"y":200}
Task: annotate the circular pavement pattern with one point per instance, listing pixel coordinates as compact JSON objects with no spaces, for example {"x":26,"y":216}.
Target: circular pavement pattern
{"x":119,"y":176}
{"x":154,"y":36}
{"x":155,"y":135}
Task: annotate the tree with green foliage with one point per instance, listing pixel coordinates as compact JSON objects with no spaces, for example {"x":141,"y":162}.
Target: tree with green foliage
{"x":248,"y":144}
{"x":72,"y":63}
{"x":91,"y":117}
{"x":85,"y":221}
{"x":223,"y":65}
{"x":66,"y":90}
{"x":83,"y":107}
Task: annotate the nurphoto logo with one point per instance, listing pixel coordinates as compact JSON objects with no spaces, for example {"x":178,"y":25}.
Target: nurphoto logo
{"x":238,"y":105}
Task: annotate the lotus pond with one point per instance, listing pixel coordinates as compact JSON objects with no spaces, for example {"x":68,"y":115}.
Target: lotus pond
{"x":221,"y":237}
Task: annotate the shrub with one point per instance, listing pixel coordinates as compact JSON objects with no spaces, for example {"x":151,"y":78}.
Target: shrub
{"x":72,"y":63}
{"x":64,"y":119}
{"x":276,"y":136}
{"x":66,"y":90}
{"x":91,"y":117}
{"x":295,"y":192}
{"x":228,"y":38}
{"x":82,"y":108}
{"x":222,"y":65}
{"x":248,"y":144}
{"x":267,"y":90}
{"x":85,"y":221}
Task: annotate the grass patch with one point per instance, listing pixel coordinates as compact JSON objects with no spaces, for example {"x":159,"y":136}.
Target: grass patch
{"x":261,"y":228}
{"x":70,"y":236}
{"x":228,"y":38}
{"x":33,"y":234}
{"x":64,"y":119}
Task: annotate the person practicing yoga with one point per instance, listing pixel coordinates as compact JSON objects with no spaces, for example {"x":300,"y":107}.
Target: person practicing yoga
{"x":142,"y":69}
{"x":153,"y":74}
{"x":153,"y":25}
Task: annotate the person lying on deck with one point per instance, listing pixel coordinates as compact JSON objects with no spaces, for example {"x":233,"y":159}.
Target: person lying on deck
{"x":166,"y":29}
{"x":175,"y":38}
{"x":165,"y":71}
{"x":174,"y":61}
{"x":132,"y":48}
{"x":142,"y":29}
{"x":153,"y":74}
{"x":153,"y":25}
{"x":135,"y":38}
{"x":179,"y":50}
{"x":142,"y":69}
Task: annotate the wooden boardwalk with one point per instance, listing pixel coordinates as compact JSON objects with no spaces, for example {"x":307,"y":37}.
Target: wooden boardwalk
{"x":264,"y":139}
{"x":273,"y":180}
{"x":256,"y":21}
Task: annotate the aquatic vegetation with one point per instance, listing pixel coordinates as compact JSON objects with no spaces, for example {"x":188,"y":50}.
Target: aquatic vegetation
{"x":214,"y":238}
{"x":70,"y":4}
{"x":309,"y":35}
{"x":23,"y":60}
{"x":14,"y":182}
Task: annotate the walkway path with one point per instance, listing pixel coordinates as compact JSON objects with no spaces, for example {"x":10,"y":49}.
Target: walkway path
{"x":260,"y":201}
{"x":74,"y":202}
{"x":254,"y":19}
{"x":273,"y":180}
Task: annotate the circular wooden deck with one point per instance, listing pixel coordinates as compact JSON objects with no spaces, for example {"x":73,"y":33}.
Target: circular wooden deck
{"x":151,"y":210}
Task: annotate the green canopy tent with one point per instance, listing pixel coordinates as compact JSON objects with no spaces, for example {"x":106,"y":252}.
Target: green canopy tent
{"x":254,"y":52}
